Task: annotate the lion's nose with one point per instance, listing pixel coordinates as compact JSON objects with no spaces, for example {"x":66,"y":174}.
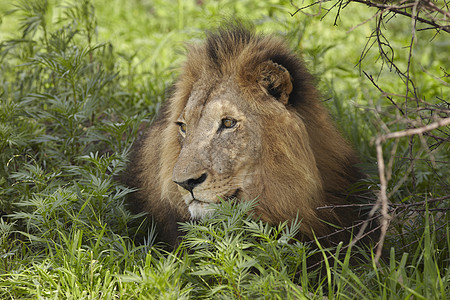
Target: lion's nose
{"x":190,"y":184}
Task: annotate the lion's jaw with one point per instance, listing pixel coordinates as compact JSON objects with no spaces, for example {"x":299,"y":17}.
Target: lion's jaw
{"x":223,"y":157}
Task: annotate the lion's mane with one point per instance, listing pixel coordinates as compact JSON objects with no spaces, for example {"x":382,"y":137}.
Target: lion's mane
{"x":305,"y":161}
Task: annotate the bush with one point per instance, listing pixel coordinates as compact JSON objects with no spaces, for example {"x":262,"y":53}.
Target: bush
{"x":71,"y":106}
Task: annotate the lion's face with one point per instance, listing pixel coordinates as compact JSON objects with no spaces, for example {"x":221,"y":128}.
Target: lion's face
{"x":220,"y":146}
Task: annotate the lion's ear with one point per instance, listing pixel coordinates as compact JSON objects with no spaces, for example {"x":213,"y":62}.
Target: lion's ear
{"x":275,"y":80}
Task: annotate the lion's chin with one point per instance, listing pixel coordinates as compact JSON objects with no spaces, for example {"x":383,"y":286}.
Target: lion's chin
{"x":200,"y":210}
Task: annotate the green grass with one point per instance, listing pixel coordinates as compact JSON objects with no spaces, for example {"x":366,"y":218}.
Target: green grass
{"x":79,"y":79}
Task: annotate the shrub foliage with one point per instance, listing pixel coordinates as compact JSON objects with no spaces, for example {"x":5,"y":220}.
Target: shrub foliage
{"x":71,"y":106}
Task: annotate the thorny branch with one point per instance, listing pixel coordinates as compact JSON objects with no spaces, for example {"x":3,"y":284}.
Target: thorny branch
{"x":421,"y":118}
{"x":403,"y":5}
{"x":399,"y":8}
{"x":382,"y":198}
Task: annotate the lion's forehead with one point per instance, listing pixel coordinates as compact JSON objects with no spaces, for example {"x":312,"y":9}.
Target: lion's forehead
{"x":223,"y":100}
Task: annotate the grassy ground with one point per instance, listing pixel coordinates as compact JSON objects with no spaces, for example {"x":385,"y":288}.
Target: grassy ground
{"x":77,"y":81}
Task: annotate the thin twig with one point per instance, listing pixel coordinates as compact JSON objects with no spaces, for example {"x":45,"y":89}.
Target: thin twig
{"x":415,"y":131}
{"x":383,"y":199}
{"x":383,"y":92}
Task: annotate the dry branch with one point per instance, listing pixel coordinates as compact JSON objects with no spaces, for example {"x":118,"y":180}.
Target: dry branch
{"x":427,"y":121}
{"x":383,"y":198}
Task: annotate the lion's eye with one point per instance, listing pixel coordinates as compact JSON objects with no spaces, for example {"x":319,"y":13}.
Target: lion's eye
{"x":182,"y":127}
{"x":228,"y":123}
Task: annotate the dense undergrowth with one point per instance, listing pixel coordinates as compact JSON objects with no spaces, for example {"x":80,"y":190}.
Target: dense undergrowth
{"x":79,"y":79}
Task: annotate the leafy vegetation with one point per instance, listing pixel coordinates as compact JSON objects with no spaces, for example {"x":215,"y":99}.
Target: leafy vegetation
{"x":79,"y":79}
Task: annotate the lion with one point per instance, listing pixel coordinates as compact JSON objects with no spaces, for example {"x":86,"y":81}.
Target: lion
{"x":245,"y":121}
